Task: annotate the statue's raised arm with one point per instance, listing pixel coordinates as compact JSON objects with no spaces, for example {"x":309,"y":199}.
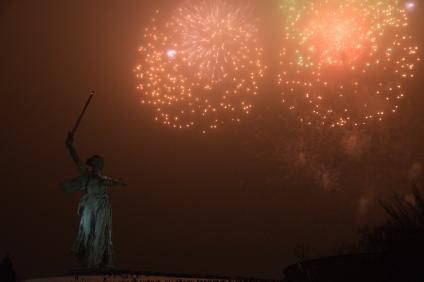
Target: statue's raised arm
{"x":77,"y":183}
{"x":74,"y":154}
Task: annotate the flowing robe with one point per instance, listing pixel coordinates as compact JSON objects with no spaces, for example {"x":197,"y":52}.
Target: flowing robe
{"x":93,"y":245}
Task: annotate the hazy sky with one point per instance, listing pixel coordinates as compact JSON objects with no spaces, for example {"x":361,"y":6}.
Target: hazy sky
{"x":237,"y":201}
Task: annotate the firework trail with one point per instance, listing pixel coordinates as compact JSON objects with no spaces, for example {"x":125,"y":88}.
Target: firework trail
{"x":201,"y":67}
{"x":345,"y":62}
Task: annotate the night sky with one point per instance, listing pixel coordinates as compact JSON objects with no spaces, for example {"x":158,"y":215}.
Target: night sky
{"x":241,"y":200}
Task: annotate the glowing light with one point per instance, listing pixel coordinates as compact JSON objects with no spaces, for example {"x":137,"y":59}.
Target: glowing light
{"x":410,"y":6}
{"x":171,"y":53}
{"x":201,"y":67}
{"x":345,"y":62}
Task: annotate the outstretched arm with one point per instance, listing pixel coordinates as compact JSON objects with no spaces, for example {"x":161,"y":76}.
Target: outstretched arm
{"x":73,"y":152}
{"x":73,"y":185}
{"x":110,"y":182}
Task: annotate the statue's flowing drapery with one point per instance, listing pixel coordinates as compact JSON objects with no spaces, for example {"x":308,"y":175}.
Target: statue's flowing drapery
{"x":93,"y":245}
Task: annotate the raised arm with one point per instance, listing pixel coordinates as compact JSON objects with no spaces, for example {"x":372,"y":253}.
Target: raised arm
{"x":74,"y":155}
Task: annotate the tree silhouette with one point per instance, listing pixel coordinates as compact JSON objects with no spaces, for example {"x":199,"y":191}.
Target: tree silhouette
{"x":401,"y":237}
{"x":7,"y":273}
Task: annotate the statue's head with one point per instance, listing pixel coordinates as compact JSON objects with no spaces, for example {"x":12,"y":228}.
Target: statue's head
{"x":95,"y":162}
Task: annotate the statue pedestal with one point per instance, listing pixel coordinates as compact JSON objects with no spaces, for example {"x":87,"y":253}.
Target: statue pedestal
{"x":133,"y":277}
{"x":95,"y":271}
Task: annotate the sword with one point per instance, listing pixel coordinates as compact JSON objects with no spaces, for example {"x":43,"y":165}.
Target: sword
{"x":82,"y":113}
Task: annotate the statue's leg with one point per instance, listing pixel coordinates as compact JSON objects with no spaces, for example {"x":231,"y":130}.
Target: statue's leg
{"x":103,"y":238}
{"x":81,"y":247}
{"x":89,"y":242}
{"x":109,"y":251}
{"x":109,"y":240}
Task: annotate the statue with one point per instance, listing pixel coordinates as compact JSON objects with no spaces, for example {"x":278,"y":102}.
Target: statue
{"x":93,"y":245}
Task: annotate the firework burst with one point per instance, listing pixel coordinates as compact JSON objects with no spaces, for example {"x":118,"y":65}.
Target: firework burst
{"x":202,"y":66}
{"x":345,"y":62}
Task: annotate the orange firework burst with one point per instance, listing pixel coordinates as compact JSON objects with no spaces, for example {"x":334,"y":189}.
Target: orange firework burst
{"x":345,"y":62}
{"x":201,"y":67}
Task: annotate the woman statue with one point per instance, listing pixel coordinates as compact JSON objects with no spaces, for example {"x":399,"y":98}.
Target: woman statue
{"x":93,"y":246}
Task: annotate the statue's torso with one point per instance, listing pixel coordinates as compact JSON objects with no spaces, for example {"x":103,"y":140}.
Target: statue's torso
{"x":95,"y":195}
{"x":94,"y":185}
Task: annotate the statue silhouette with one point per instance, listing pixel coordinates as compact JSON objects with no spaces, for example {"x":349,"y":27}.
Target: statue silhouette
{"x":93,"y":245}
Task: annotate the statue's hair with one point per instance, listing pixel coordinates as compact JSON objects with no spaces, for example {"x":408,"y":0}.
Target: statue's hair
{"x":92,"y":160}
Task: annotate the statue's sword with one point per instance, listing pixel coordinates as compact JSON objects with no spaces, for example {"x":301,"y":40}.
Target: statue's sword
{"x":82,"y":113}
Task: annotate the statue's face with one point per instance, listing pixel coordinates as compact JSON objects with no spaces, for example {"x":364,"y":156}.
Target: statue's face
{"x":96,"y":162}
{"x":99,"y":164}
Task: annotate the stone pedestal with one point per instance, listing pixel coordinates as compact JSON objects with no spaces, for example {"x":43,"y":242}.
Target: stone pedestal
{"x":133,"y":277}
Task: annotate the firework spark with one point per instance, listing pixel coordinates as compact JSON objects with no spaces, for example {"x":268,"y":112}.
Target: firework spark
{"x":202,"y":66}
{"x":410,"y":6}
{"x":345,"y":62}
